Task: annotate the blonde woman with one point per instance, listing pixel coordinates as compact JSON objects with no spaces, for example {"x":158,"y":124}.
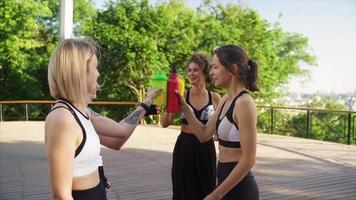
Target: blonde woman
{"x":234,"y":122}
{"x":74,"y":133}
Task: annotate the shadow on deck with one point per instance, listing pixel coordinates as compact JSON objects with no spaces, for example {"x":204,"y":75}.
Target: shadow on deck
{"x":286,"y":168}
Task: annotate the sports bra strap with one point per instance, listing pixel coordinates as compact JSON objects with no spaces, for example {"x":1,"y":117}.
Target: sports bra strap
{"x":54,"y":108}
{"x":187,"y":96}
{"x":210,"y":98}
{"x":81,"y":145}
{"x":239,"y":95}
{"x":231,"y":108}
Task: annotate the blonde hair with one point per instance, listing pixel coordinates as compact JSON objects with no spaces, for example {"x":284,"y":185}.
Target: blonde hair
{"x":67,"y":69}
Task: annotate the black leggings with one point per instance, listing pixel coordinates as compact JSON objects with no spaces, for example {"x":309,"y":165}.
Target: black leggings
{"x":246,"y":189}
{"x":96,"y":193}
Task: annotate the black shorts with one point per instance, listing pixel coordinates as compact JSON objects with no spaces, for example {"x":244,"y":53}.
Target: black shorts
{"x":96,"y":193}
{"x":246,"y":189}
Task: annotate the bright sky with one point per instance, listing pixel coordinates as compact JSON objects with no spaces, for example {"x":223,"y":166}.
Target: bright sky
{"x":329,"y":25}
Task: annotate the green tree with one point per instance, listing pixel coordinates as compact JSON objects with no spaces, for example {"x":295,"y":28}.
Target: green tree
{"x":137,"y":39}
{"x":29,"y":33}
{"x":279,"y":54}
{"x":24,"y":47}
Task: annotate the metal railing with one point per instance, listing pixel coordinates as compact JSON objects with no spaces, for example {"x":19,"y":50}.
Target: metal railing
{"x":273,"y":119}
{"x":18,"y":115}
{"x":346,"y":116}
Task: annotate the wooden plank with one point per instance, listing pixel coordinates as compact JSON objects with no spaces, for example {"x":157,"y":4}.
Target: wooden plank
{"x":286,"y":168}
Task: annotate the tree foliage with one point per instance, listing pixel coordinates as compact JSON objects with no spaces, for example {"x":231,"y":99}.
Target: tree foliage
{"x":28,"y":34}
{"x":137,"y":39}
{"x":24,"y":48}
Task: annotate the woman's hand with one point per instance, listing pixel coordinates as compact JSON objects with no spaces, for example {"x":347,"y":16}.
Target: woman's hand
{"x":151,"y":93}
{"x":183,"y":106}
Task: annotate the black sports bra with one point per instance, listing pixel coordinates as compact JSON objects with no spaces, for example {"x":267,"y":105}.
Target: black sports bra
{"x":203,"y":114}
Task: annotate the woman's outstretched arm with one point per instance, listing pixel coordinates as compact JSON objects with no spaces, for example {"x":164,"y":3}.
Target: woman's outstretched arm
{"x":114,"y":134}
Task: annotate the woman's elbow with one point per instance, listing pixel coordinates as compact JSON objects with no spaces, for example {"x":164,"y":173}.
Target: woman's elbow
{"x":247,"y":162}
{"x":164,"y":125}
{"x":202,"y":139}
{"x":165,"y":122}
{"x":251,"y":162}
{"x":118,"y":146}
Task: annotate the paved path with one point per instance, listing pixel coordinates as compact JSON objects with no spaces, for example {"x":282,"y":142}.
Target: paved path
{"x":286,"y":168}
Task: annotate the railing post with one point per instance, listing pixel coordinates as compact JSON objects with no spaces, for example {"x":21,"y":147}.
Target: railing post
{"x":0,"y":112}
{"x":26,"y":110}
{"x":345,"y":125}
{"x":308,"y":124}
{"x":353,"y":128}
{"x":142,"y":121}
{"x":272,"y":121}
{"x":349,"y":129}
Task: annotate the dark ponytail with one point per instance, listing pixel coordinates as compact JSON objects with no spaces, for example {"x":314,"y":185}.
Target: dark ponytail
{"x":252,"y":76}
{"x":247,"y":69}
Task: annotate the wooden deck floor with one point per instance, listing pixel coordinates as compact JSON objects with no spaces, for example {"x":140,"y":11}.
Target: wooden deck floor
{"x":286,"y":168}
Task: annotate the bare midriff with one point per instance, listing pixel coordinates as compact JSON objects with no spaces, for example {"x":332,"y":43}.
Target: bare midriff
{"x":86,"y":182}
{"x":227,"y":154}
{"x":186,"y":129}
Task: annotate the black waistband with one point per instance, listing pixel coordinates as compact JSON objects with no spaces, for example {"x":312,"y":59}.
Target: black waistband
{"x":184,"y":121}
{"x":227,"y":163}
{"x":229,"y":166}
{"x":97,"y":187}
{"x":183,"y":132}
{"x":229,"y":144}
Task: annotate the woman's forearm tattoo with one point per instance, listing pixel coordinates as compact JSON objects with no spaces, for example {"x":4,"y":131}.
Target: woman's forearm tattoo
{"x":95,"y":114}
{"x":133,"y":117}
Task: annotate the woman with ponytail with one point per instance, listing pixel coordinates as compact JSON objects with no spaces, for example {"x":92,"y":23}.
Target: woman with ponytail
{"x":234,"y":122}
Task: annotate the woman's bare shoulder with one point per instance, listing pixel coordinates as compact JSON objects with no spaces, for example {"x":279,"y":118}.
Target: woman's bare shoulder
{"x":224,"y":97}
{"x":245,"y":103}
{"x":246,"y":100}
{"x":215,"y":98}
{"x":215,"y":95}
{"x":61,"y":121}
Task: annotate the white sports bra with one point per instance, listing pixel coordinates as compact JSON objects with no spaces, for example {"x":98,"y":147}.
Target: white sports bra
{"x":227,"y":130}
{"x":87,"y":156}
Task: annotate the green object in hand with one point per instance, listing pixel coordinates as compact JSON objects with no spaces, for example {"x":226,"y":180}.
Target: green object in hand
{"x":159,"y":81}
